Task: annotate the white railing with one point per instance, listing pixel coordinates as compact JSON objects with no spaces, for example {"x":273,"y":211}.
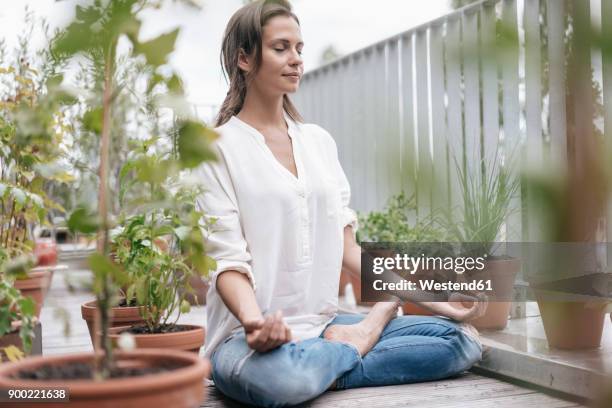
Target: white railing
{"x":397,"y":108}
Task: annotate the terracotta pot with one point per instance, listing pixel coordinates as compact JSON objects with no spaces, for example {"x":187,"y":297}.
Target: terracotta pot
{"x":571,"y":325}
{"x":120,"y":316}
{"x":502,"y":273}
{"x":182,"y":387}
{"x":188,"y":340}
{"x":35,"y":286}
{"x":45,"y":251}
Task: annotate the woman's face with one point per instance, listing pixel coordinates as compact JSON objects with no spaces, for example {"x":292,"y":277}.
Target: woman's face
{"x":281,"y":65}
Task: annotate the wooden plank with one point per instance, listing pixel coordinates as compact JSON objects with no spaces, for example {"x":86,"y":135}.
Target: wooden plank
{"x":440,"y":186}
{"x":455,"y":108}
{"x":407,"y":120}
{"x":392,"y":149}
{"x":424,"y":161}
{"x":467,"y":390}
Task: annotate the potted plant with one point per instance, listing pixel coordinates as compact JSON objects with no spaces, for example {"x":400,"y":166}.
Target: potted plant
{"x":31,"y":147}
{"x":392,"y":226}
{"x":486,"y":192}
{"x":151,"y":247}
{"x":126,"y":378}
{"x":571,"y":290}
{"x":16,"y":312}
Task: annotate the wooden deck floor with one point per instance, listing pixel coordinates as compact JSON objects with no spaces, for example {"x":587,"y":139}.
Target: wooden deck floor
{"x":468,"y":390}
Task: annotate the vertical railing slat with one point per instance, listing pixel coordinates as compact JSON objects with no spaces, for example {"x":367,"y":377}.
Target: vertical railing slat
{"x":490,"y":99}
{"x":358,"y":134}
{"x":425,"y":165}
{"x":556,"y":79}
{"x":408,"y":148}
{"x":454,"y":108}
{"x":371,"y":129}
{"x":471,"y":54}
{"x":438,"y":123}
{"x":378,"y":138}
{"x":392,"y":139}
{"x":510,"y":109}
{"x":606,"y":29}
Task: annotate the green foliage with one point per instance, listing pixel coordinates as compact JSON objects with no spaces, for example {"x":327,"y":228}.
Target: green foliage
{"x":194,"y":144}
{"x":159,"y":241}
{"x":393,"y":224}
{"x":32,"y":130}
{"x":152,"y":203}
{"x":485,"y":193}
{"x":14,"y":306}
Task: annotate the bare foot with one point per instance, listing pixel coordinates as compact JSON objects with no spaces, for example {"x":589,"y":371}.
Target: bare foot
{"x":356,"y":334}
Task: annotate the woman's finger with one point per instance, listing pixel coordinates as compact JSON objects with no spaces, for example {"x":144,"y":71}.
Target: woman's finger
{"x":264,"y":334}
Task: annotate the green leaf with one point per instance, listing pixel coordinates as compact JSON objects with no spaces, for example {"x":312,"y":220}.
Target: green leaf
{"x":185,"y":306}
{"x":194,"y":144}
{"x":18,"y":267}
{"x":92,"y":120}
{"x":156,"y":51}
{"x":83,"y":221}
{"x":18,"y":195}
{"x":27,"y":306}
{"x":102,"y":266}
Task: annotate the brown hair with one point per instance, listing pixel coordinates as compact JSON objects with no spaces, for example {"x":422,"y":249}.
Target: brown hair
{"x":244,"y":32}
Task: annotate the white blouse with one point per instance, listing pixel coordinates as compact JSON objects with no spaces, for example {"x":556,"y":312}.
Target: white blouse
{"x":284,"y":233}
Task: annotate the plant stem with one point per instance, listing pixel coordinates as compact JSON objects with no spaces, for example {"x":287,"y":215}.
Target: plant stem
{"x":103,"y":244}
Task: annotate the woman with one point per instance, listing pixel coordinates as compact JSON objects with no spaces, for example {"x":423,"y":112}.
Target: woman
{"x":283,"y":231}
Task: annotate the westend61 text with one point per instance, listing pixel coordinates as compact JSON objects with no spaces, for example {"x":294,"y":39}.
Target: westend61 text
{"x":428,"y":263}
{"x":429,"y":285}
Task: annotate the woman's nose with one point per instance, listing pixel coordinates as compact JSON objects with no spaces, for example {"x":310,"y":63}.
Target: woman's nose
{"x":296,"y":58}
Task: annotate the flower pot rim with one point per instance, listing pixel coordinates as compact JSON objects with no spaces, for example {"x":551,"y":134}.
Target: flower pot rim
{"x":195,"y":368}
{"x":91,"y":305}
{"x":114,"y":331}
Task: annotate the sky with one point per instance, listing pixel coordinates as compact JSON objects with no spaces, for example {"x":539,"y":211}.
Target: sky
{"x":348,"y":25}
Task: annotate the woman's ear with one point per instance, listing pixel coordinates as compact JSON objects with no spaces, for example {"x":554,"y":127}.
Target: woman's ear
{"x":244,"y":61}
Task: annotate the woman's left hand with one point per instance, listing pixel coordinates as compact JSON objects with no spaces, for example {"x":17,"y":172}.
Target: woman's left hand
{"x":459,"y":307}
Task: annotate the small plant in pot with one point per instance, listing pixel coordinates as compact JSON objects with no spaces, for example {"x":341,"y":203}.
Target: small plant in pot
{"x":153,"y":248}
{"x":16,"y":312}
{"x":392,"y":226}
{"x":108,"y":377}
{"x":572,"y":290}
{"x":486,"y":193}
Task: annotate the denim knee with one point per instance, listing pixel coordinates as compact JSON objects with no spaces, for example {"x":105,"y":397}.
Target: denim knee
{"x":280,"y":389}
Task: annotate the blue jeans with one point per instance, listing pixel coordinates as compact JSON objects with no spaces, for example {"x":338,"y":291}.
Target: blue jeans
{"x":410,"y":349}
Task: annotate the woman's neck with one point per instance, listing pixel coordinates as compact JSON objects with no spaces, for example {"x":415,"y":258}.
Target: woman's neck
{"x":262,"y":111}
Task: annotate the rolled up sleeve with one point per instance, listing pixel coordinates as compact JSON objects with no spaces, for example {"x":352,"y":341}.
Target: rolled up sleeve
{"x":225,"y":240}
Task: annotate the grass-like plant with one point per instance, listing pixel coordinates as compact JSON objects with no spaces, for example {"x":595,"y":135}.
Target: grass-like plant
{"x":486,"y":192}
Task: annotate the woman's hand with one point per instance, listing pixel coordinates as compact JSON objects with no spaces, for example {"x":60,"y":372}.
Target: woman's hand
{"x":459,"y":307}
{"x":266,"y":334}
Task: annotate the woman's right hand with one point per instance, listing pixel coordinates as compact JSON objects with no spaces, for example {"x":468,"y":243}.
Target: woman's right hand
{"x":266,"y":334}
